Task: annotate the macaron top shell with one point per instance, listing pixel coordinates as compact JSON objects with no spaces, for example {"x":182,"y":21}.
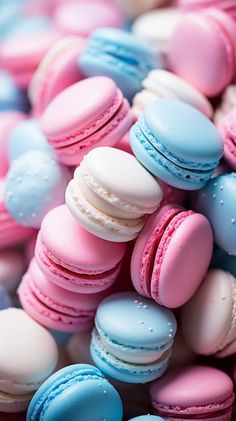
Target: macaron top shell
{"x":184,"y":132}
{"x":208,"y":318}
{"x":84,"y":251}
{"x":192,"y":390}
{"x":133,"y":321}
{"x":96,"y":101}
{"x":147,"y":418}
{"x":28,"y":352}
{"x":121,"y":176}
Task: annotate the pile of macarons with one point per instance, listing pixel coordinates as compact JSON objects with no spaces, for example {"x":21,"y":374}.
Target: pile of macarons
{"x":117,"y":210}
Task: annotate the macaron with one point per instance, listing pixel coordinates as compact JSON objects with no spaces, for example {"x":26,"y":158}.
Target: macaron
{"x":163,"y":84}
{"x":157,"y":26}
{"x":11,"y":233}
{"x":27,"y":136}
{"x":147,"y":418}
{"x":11,"y":97}
{"x":21,"y":54}
{"x":121,"y":56}
{"x":55,"y":307}
{"x":76,"y":390}
{"x":93,"y":14}
{"x":132,"y":338}
{"x":193,"y":392}
{"x":172,"y":243}
{"x":215,"y":202}
{"x":202,"y":50}
{"x":8,"y":120}
{"x":227,"y":128}
{"x":176,"y":143}
{"x":57,"y":70}
{"x":86,"y":265}
{"x":34,"y":184}
{"x":5,"y":299}
{"x":93,"y":112}
{"x":28,"y":355}
{"x":215,"y":300}
{"x":111,"y":194}
{"x":12,"y":267}
{"x":227,"y":6}
{"x":227,"y":103}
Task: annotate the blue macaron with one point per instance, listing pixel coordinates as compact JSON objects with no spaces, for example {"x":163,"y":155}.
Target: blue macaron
{"x":217,"y":202}
{"x":76,"y":392}
{"x":27,"y":136}
{"x":11,"y":97}
{"x":176,"y":143}
{"x":147,"y":418}
{"x":5,"y":300}
{"x":133,"y":337}
{"x":121,"y":56}
{"x":35,"y":184}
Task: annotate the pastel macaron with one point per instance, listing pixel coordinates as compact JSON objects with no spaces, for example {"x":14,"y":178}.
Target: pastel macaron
{"x":172,"y":243}
{"x":227,"y":6}
{"x":55,"y":307}
{"x":27,"y":136}
{"x":100,"y":117}
{"x":202,"y":50}
{"x":87,"y":264}
{"x":111,"y":194}
{"x":164,"y":84}
{"x":28,"y":356}
{"x":215,"y":300}
{"x":176,"y":143}
{"x":57,"y":70}
{"x":93,"y":14}
{"x":35,"y":183}
{"x":76,"y":389}
{"x":12,"y":267}
{"x":215,"y":202}
{"x":227,"y":128}
{"x":147,"y":418}
{"x":119,"y":55}
{"x":8,"y":120}
{"x":193,"y":392}
{"x":132,"y":338}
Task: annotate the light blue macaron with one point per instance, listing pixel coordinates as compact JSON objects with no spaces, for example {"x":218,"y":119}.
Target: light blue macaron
{"x":35,"y":184}
{"x":11,"y":13}
{"x":121,"y":56}
{"x":27,"y":136}
{"x":133,"y":337}
{"x":30,"y":25}
{"x":5,"y":300}
{"x":176,"y":143}
{"x":11,"y":97}
{"x":217,"y":202}
{"x":76,"y":393}
{"x":147,"y":418}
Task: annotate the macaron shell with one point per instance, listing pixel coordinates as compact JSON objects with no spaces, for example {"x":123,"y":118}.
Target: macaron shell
{"x":190,"y":246}
{"x":213,"y":301}
{"x":192,"y":390}
{"x":227,"y":128}
{"x":198,"y":45}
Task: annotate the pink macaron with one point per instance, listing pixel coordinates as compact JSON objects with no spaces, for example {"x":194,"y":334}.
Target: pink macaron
{"x":11,"y":233}
{"x":227,"y":129}
{"x":171,"y":255}
{"x":8,"y":120}
{"x":92,"y":112}
{"x":21,"y":55}
{"x":55,"y":307}
{"x":56,"y":71}
{"x":193,"y":393}
{"x":228,"y":6}
{"x":73,"y":258}
{"x":83,"y":17}
{"x":202,"y":50}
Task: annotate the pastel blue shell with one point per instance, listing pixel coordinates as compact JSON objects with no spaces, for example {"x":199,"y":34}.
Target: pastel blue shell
{"x":119,"y":55}
{"x":217,"y":202}
{"x":34,"y":185}
{"x":76,"y":392}
{"x":177,"y":143}
{"x":27,"y":136}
